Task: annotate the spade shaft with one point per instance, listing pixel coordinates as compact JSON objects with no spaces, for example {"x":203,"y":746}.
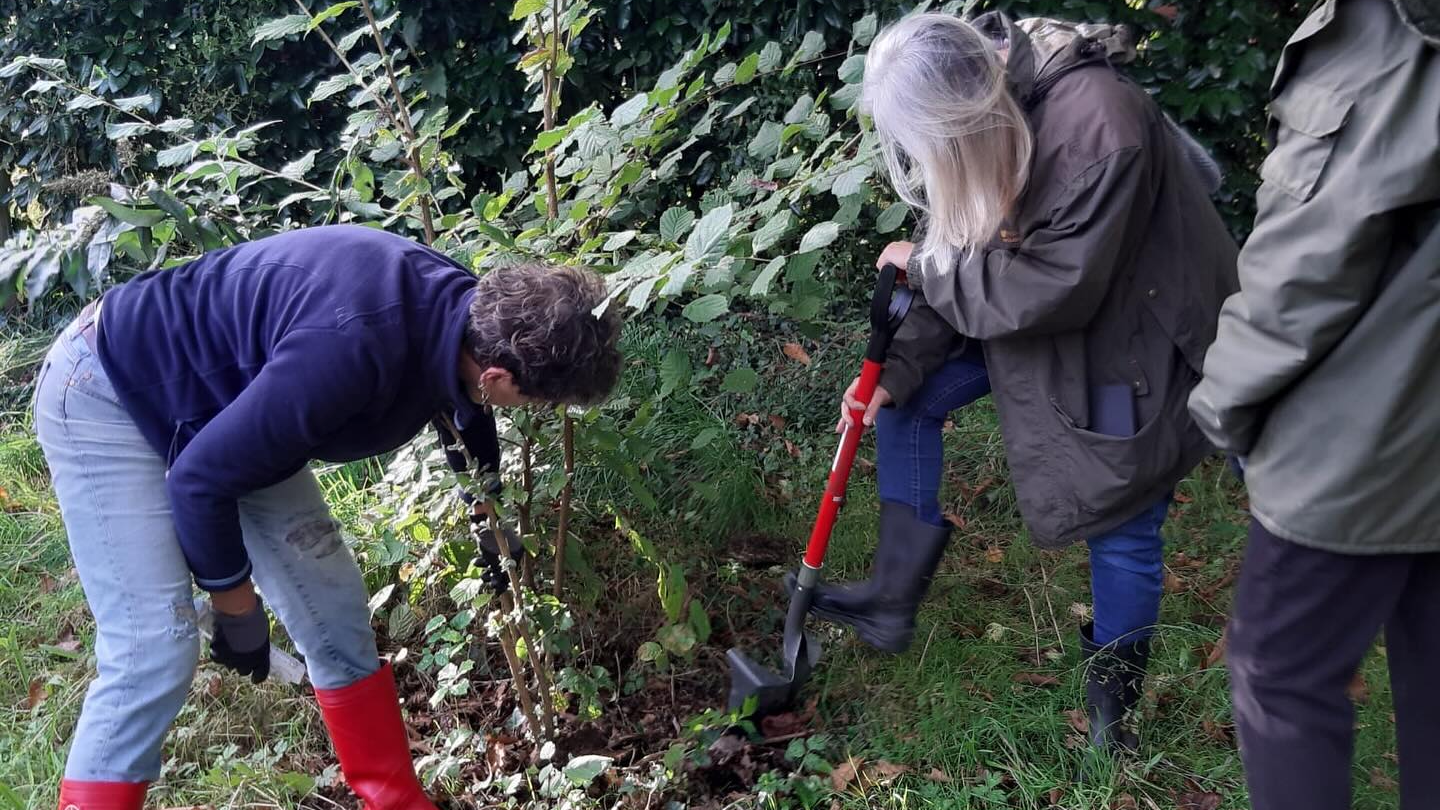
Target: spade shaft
{"x":756,"y":687}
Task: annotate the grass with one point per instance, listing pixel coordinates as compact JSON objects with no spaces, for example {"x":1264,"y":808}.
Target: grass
{"x":951,"y":710}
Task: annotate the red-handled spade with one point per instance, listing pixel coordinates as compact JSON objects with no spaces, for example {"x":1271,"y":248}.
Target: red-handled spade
{"x":770,"y":690}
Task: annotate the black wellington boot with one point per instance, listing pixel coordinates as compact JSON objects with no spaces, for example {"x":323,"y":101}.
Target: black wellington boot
{"x":1115,"y":674}
{"x":882,"y":608}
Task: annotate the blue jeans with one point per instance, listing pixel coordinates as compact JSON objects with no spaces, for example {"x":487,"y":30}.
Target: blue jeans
{"x":111,"y":488}
{"x":1126,"y":564}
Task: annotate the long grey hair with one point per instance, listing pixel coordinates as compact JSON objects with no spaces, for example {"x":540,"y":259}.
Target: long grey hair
{"x":955,"y":141}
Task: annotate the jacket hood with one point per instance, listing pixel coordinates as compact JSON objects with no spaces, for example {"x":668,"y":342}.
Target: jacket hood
{"x":1030,"y":73}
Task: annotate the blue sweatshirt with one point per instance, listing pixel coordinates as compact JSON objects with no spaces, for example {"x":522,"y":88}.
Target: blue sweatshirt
{"x":333,"y":343}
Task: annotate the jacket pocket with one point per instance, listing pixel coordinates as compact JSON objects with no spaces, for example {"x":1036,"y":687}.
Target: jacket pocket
{"x":1305,"y":121}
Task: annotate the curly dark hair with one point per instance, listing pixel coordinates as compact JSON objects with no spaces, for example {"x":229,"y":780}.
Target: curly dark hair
{"x":538,"y":323}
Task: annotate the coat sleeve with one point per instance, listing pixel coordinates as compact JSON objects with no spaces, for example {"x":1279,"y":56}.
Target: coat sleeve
{"x":481,"y":441}
{"x":313,"y":381}
{"x":1056,"y":278}
{"x":919,"y":347}
{"x":1321,"y":243}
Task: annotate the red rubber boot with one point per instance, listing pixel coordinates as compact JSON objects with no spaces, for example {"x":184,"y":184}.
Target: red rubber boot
{"x":371,"y":744}
{"x":101,"y":795}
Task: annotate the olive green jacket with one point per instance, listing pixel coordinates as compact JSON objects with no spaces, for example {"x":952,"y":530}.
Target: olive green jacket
{"x":1325,"y":374}
{"x":1110,"y":276}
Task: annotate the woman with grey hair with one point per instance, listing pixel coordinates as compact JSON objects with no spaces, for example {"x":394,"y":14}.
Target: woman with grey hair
{"x":1071,"y":260}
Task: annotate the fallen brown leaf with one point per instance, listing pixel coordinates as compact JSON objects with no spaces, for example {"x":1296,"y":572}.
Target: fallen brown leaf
{"x":1123,"y":802}
{"x":725,"y":748}
{"x":882,"y":771}
{"x":37,"y":693}
{"x":1035,"y":679}
{"x":1380,"y":779}
{"x":792,"y":448}
{"x":1056,"y":794}
{"x":994,"y":555}
{"x":1358,"y":690}
{"x":1198,"y":801}
{"x":777,"y":421}
{"x":1217,"y":654}
{"x":845,"y":773}
{"x":214,"y":684}
{"x":743,"y":419}
{"x":711,"y":356}
{"x":47,"y":583}
{"x":796,"y":352}
{"x":782,"y":725}
{"x":1181,"y":497}
{"x":1078,"y":719}
{"x":939,"y":776}
{"x":1173,"y":584}
{"x":1219,"y":732}
{"x":955,"y":520}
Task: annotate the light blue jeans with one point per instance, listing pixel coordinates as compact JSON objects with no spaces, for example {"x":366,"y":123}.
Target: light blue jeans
{"x":111,"y":488}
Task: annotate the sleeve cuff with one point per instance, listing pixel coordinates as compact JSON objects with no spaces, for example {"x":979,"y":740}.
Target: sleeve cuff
{"x":225,"y":584}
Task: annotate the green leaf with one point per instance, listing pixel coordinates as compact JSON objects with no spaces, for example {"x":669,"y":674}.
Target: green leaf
{"x":770,"y":56}
{"x":524,"y":8}
{"x":42,"y":86}
{"x":843,"y":99}
{"x":83,"y":101}
{"x":127,"y":129}
{"x":739,"y":109}
{"x":674,"y":371}
{"x":772,"y":231}
{"x":618,"y":240}
{"x":378,"y":600}
{"x":329,"y":13}
{"x":864,"y":29}
{"x":173,"y":125}
{"x":740,"y":381}
{"x":891,"y":218}
{"x":650,"y":652}
{"x":819,"y":236}
{"x":330,"y":87}
{"x":299,"y":196}
{"x":851,"y":182}
{"x":852,"y":70}
{"x":672,"y":594}
{"x":725,"y":74}
{"x":281,"y":28}
{"x":747,"y":69}
{"x":766,"y":144}
{"x":678,"y":639}
{"x":403,"y":621}
{"x":133,"y":103}
{"x":710,"y":238}
{"x":297,"y":169}
{"x":176,"y":209}
{"x":761,"y":285}
{"x":810,"y":47}
{"x":703,"y":439}
{"x":640,"y":294}
{"x":706,"y":308}
{"x":630,"y":112}
{"x":675,"y":222}
{"x":126,"y":214}
{"x":582,"y":770}
{"x":721,"y":38}
{"x":699,"y":621}
{"x":176,"y":155}
{"x":800,"y":110}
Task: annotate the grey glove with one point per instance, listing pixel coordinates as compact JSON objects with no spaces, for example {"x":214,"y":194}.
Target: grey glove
{"x":242,"y":643}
